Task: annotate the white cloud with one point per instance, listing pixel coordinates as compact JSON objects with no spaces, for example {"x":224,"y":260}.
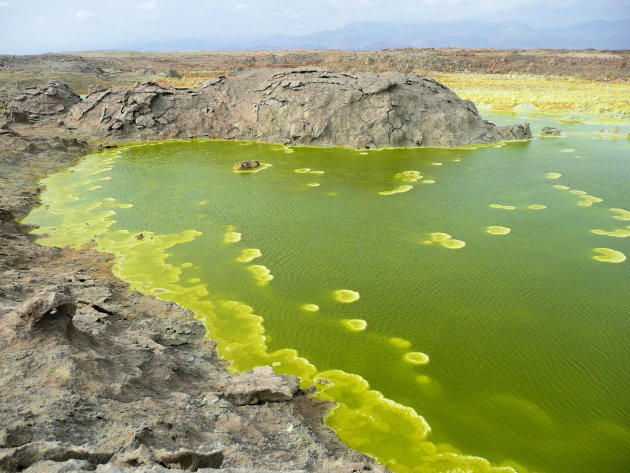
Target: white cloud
{"x":243,"y":7}
{"x":147,"y":6}
{"x":84,"y":14}
{"x":4,"y":4}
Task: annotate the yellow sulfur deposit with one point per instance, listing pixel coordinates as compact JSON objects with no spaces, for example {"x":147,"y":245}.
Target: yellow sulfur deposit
{"x":508,"y":91}
{"x":398,"y":190}
{"x":608,"y":255}
{"x":497,"y":230}
{"x":346,"y":295}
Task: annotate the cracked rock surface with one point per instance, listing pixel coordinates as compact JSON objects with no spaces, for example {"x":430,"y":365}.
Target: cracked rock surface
{"x":303,"y":106}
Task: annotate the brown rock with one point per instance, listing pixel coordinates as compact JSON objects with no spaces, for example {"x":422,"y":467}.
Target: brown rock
{"x":246,"y":165}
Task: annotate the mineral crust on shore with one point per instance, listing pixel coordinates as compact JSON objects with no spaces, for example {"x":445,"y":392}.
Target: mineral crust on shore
{"x":94,"y":376}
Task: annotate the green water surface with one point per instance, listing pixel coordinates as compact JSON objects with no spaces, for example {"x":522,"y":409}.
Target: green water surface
{"x":477,"y":328}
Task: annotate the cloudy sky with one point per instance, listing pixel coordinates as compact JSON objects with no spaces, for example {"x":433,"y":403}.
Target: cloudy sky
{"x":33,"y":26}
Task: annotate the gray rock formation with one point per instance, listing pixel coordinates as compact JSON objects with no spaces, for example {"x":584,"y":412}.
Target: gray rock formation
{"x":550,"y":131}
{"x":35,"y":102}
{"x":307,"y":107}
{"x":261,"y":385}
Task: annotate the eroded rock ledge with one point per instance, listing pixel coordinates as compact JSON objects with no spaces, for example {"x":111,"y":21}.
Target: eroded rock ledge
{"x":303,"y":106}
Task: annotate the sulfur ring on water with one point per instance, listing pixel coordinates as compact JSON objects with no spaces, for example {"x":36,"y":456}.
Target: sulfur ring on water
{"x":497,"y":230}
{"x":416,"y":358}
{"x":355,"y":325}
{"x":346,"y":295}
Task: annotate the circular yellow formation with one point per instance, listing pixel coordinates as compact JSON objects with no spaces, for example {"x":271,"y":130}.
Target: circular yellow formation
{"x":316,"y":172}
{"x":346,"y":296}
{"x":248,"y":255}
{"x":588,"y":200}
{"x":561,"y":187}
{"x":608,"y":255}
{"x":231,"y":237}
{"x":553,"y":175}
{"x":355,"y":325}
{"x":302,"y":170}
{"x":422,"y":379}
{"x":502,"y":207}
{"x":437,"y":164}
{"x":408,"y":176}
{"x":313,"y":184}
{"x":261,"y":273}
{"x":577,"y":192}
{"x":497,"y":230}
{"x":398,"y":190}
{"x":568,"y":150}
{"x":453,"y":244}
{"x":537,"y":206}
{"x":428,"y":181}
{"x":416,"y":358}
{"x":400,"y":342}
{"x":310,"y":307}
{"x":446,"y":241}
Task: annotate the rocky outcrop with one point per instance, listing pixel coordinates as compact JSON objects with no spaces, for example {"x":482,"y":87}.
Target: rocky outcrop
{"x":36,"y":102}
{"x":309,"y":107}
{"x":261,"y":385}
{"x":246,"y":165}
{"x":550,"y":131}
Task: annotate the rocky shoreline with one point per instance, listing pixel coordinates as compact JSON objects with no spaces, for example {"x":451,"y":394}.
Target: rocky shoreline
{"x":97,"y":377}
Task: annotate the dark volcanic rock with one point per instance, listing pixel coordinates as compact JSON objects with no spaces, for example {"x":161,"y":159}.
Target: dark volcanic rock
{"x":308,"y":107}
{"x":50,"y":99}
{"x":246,"y":165}
{"x":550,"y":131}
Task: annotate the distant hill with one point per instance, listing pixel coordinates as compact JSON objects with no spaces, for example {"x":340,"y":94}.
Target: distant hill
{"x":380,"y":35}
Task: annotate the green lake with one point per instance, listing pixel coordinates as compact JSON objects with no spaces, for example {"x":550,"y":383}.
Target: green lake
{"x":468,"y":308}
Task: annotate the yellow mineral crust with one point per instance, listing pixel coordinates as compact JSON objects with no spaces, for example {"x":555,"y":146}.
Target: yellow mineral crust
{"x":508,"y":91}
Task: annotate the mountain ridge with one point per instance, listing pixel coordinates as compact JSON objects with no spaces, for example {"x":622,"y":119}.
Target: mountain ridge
{"x":370,"y":35}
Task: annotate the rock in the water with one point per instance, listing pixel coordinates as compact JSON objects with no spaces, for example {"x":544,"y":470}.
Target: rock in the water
{"x":246,"y":165}
{"x":302,"y":106}
{"x":261,"y":385}
{"x":550,"y":131}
